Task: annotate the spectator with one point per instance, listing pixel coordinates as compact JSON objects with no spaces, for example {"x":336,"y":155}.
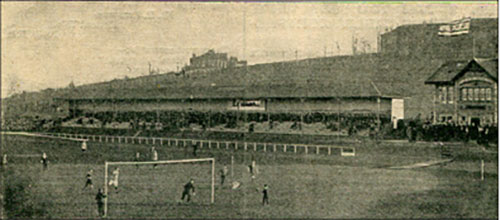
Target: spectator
{"x":251,"y":128}
{"x":394,"y":123}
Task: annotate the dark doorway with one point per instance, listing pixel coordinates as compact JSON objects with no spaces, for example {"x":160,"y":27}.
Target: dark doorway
{"x":475,"y":121}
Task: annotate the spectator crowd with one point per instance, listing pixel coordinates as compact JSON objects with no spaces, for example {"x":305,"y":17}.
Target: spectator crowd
{"x":353,"y":125}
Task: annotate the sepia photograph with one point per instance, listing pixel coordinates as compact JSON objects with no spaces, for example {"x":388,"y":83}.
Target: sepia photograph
{"x":249,"y":109}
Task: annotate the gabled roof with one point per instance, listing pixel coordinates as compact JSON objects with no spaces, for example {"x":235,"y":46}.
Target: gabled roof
{"x":447,"y":71}
{"x":450,"y":70}
{"x":490,"y":65}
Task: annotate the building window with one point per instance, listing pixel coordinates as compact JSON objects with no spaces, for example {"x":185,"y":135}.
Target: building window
{"x":464,"y":94}
{"x":443,"y":94}
{"x":476,"y":94}
{"x":443,"y":119}
{"x":481,"y":94}
{"x":470,"y":94}
{"x":439,"y":95}
{"x":450,"y":94}
{"x":488,"y":94}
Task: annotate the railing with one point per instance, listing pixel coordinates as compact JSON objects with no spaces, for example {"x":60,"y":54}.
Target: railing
{"x":215,"y":144}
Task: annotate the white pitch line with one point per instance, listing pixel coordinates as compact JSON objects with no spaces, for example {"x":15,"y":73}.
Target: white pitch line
{"x":424,"y":164}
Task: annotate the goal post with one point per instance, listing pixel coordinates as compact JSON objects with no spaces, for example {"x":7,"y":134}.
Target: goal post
{"x":107,"y":164}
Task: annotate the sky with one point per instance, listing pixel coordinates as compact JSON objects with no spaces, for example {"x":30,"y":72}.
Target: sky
{"x":50,"y":44}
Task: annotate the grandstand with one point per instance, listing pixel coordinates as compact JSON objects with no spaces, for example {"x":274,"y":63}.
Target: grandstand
{"x":350,"y":86}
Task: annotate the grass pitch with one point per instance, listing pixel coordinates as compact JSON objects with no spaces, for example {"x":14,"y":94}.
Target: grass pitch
{"x":300,"y":186}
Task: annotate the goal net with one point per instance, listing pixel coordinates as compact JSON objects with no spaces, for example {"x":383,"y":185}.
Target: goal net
{"x":147,"y":189}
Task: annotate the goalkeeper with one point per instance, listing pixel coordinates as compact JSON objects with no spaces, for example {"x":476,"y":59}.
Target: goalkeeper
{"x":114,"y":181}
{"x":188,"y":188}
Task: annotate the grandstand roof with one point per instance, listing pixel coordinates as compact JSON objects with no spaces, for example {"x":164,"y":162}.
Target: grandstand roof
{"x":367,"y":75}
{"x":360,"y":89}
{"x":451,"y":69}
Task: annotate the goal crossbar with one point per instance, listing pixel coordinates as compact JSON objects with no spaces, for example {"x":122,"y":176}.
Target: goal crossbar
{"x":160,"y":161}
{"x":117,"y":163}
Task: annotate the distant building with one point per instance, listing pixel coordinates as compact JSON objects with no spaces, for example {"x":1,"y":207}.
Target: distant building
{"x":465,"y":92}
{"x":479,"y":38}
{"x":210,"y":61}
{"x":234,"y":62}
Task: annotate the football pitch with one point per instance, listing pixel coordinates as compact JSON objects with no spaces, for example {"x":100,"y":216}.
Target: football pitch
{"x":306,"y":187}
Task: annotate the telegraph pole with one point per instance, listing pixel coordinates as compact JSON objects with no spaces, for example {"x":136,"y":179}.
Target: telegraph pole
{"x":338,"y":118}
{"x":244,"y":31}
{"x":473,"y":47}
